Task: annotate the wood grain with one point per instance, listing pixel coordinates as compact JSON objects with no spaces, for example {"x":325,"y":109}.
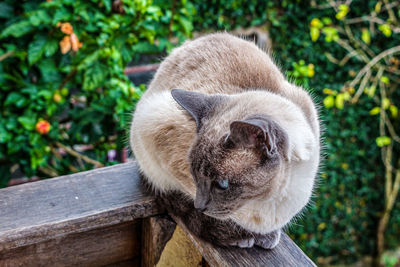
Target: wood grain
{"x":95,"y":218}
{"x":287,"y":253}
{"x":97,"y":247}
{"x":156,"y":232}
{"x":35,"y":212}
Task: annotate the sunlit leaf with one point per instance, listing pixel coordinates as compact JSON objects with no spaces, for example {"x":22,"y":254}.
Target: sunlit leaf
{"x":385,"y":29}
{"x":394,"y":111}
{"x":343,"y":11}
{"x":365,"y":36}
{"x":329,"y":101}
{"x":339,"y":102}
{"x":382,"y":141}
{"x":375,"y":111}
{"x":385,"y":103}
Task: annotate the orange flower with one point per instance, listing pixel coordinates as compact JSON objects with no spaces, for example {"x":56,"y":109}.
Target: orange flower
{"x":75,"y":42}
{"x":43,"y":127}
{"x":65,"y":44}
{"x":67,"y":28}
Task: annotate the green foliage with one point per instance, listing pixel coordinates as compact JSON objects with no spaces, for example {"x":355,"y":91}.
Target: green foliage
{"x":62,"y":79}
{"x":341,"y":225}
{"x":85,"y":98}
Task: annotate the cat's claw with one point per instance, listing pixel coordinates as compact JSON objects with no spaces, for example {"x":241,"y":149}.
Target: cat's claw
{"x":244,"y":243}
{"x":269,"y":241}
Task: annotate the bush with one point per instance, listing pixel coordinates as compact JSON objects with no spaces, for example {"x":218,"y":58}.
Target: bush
{"x":308,"y":41}
{"x":62,"y":79}
{"x":52,"y":101}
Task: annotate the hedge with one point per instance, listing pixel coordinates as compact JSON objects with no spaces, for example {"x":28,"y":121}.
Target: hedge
{"x":62,"y":86}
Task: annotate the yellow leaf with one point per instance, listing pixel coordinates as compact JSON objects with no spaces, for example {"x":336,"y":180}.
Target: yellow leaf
{"x":365,"y":36}
{"x":371,"y":91}
{"x":378,"y":6}
{"x":385,"y":103}
{"x":343,"y":10}
{"x":385,"y":29}
{"x":310,"y":70}
{"x":393,"y":110}
{"x":329,"y":101}
{"x":382,"y":141}
{"x":339,"y":101}
{"x":315,"y":22}
{"x":375,"y":111}
{"x":384,"y":79}
{"x":314,"y":32}
{"x":321,"y":226}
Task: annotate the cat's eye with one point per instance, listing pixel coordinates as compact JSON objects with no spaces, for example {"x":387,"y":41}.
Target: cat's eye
{"x":223,"y":184}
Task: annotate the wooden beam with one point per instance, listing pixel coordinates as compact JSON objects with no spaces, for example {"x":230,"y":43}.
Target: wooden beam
{"x":55,"y":209}
{"x":97,"y":247}
{"x":96,"y":218}
{"x":287,"y":253}
{"x":156,"y":232}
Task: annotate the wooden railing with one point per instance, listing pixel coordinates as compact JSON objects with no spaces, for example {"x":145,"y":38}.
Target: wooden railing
{"x":105,"y":217}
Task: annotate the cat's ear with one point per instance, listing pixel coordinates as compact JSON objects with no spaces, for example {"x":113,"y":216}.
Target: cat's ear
{"x":254,"y":133}
{"x":197,"y":104}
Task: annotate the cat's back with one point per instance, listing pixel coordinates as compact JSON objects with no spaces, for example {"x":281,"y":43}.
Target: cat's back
{"x":217,"y":63}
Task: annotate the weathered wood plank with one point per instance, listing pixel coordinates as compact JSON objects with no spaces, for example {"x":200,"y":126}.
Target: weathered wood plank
{"x":90,"y":219}
{"x":97,"y":247}
{"x":287,"y":253}
{"x":156,"y":231}
{"x":36,"y":212}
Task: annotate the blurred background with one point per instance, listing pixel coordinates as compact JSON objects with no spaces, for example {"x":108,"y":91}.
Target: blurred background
{"x":72,"y":71}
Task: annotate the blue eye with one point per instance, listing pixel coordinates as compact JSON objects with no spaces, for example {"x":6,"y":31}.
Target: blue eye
{"x":223,"y":184}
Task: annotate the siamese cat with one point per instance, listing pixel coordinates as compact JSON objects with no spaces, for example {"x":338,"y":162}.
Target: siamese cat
{"x":228,"y":143}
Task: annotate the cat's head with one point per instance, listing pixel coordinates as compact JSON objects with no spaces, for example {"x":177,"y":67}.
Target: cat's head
{"x":238,"y":164}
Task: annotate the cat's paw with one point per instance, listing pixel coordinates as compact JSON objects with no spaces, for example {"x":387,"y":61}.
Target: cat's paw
{"x":268,"y":241}
{"x":244,"y":243}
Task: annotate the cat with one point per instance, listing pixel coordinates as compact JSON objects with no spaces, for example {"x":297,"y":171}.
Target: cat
{"x":229,"y":144}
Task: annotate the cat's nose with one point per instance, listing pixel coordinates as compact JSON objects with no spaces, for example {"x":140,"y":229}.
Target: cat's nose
{"x":201,"y":209}
{"x":200,"y":204}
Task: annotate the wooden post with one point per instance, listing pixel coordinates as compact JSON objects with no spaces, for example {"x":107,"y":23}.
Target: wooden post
{"x":156,"y":232}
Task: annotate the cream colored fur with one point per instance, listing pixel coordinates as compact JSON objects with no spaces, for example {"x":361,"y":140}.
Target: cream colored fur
{"x":162,"y":133}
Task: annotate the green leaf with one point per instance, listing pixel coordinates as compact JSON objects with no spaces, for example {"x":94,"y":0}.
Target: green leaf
{"x":385,"y":29}
{"x":5,"y":135}
{"x":12,"y":98}
{"x":365,"y":36}
{"x":385,"y":80}
{"x":6,"y":11}
{"x":375,"y":111}
{"x":382,"y":141}
{"x":94,"y":76}
{"x":331,"y":34}
{"x":316,"y":23}
{"x":314,"y":32}
{"x":385,"y":103}
{"x":378,"y":7}
{"x":187,"y":25}
{"x":329,"y":101}
{"x":343,"y":10}
{"x":36,"y":49}
{"x":394,"y":111}
{"x":339,"y":102}
{"x":17,"y":29}
{"x":27,"y":122}
{"x":50,"y":47}
{"x":370,"y":91}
